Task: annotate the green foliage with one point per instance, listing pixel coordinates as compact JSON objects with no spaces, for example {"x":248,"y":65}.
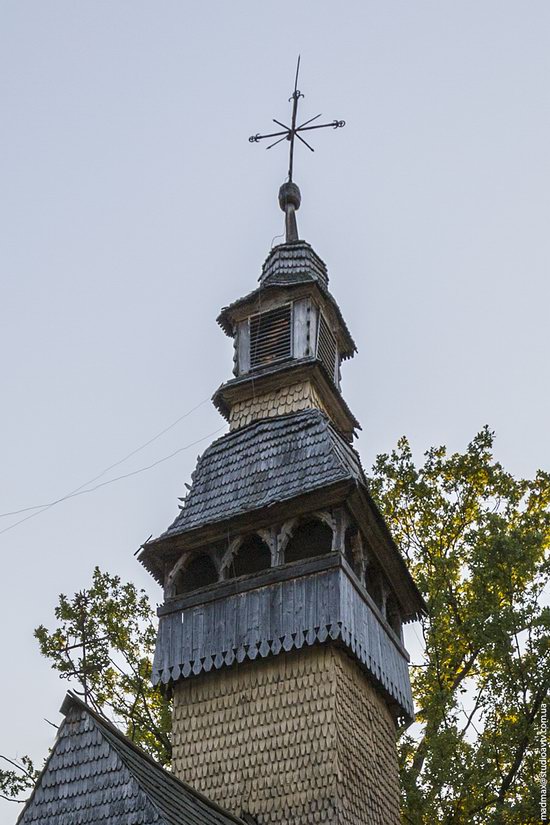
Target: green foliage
{"x":18,"y":779}
{"x":104,"y":640}
{"x":476,"y":541}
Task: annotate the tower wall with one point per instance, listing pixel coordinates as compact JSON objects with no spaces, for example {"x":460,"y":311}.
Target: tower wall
{"x":297,"y":738}
{"x":299,"y":396}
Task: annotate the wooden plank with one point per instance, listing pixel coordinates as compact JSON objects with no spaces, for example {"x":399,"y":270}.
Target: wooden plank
{"x":322,"y":606}
{"x":266,"y":612}
{"x":271,"y":628}
{"x":159,"y":650}
{"x":220,"y":630}
{"x":299,"y":603}
{"x":210,"y":640}
{"x":253,"y":630}
{"x":197,"y":631}
{"x":243,"y":347}
{"x":301,"y":328}
{"x":231,"y":621}
{"x":175,"y":645}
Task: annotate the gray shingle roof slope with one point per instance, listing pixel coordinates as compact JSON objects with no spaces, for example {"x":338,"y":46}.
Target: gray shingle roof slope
{"x":270,"y":461}
{"x":292,"y":262}
{"x":96,"y":776}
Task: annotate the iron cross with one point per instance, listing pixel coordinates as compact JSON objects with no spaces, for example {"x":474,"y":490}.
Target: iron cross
{"x":291,"y":132}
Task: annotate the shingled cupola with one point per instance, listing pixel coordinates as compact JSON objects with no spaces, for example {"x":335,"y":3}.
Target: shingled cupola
{"x":280,"y":635}
{"x":289,"y":341}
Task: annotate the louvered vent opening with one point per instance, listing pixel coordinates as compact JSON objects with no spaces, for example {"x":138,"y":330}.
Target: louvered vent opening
{"x":326,"y":348}
{"x":271,"y":336}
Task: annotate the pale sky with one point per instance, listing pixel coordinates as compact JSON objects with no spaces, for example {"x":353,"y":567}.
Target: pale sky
{"x":133,"y":208}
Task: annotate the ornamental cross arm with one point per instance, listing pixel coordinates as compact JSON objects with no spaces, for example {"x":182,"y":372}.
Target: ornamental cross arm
{"x":290,"y":133}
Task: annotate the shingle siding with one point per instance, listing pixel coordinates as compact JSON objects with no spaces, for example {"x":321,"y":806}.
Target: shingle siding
{"x":297,"y":739}
{"x":96,"y":776}
{"x":292,"y":263}
{"x":288,"y":399}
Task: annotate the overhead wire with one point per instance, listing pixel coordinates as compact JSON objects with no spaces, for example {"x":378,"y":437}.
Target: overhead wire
{"x":110,"y":481}
{"x":83,"y":489}
{"x":110,"y":467}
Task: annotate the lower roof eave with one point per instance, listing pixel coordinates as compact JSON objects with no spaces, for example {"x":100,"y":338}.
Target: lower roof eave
{"x":164,"y":551}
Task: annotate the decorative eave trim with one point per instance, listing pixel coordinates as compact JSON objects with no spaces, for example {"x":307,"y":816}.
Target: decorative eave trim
{"x":274,"y":377}
{"x":230,"y":315}
{"x":161,"y":553}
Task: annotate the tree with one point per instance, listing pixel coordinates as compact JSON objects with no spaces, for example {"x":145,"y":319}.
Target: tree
{"x":18,"y":779}
{"x":105,"y":641}
{"x":476,"y":541}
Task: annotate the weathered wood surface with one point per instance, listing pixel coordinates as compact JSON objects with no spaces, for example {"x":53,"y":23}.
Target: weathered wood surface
{"x":243,"y":348}
{"x":251,"y":581}
{"x":302,"y":328}
{"x":274,"y":460}
{"x":305,"y":739}
{"x":94,"y":775}
{"x":284,"y":615}
{"x":271,"y":378}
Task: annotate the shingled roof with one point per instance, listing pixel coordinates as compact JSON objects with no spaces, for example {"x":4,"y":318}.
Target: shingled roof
{"x":269,"y":461}
{"x":96,"y":776}
{"x":291,"y":263}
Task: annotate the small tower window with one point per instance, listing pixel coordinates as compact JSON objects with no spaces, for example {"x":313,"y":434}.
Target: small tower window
{"x":271,"y":336}
{"x":373,"y":583}
{"x":326,"y":347}
{"x":252,"y":556}
{"x":314,"y":538}
{"x":393,"y":615}
{"x":200,"y":572}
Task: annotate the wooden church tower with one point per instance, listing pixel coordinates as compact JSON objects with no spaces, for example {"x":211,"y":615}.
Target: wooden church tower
{"x":280,"y":635}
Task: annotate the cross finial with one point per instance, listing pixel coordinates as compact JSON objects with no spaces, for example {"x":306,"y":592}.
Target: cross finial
{"x":289,"y":195}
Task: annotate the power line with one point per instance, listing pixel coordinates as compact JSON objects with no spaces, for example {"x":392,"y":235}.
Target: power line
{"x":106,"y":470}
{"x":81,"y":492}
{"x":78,"y":491}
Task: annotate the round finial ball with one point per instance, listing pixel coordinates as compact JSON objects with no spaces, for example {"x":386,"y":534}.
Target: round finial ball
{"x":289,"y":195}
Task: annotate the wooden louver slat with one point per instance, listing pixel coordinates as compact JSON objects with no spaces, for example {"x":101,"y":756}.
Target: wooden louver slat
{"x":271,"y":336}
{"x":326,"y":348}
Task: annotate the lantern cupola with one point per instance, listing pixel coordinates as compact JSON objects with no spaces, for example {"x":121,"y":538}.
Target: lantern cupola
{"x":289,"y":338}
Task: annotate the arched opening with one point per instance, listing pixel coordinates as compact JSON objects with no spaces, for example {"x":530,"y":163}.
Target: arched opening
{"x":200,"y":572}
{"x":252,"y":556}
{"x":313,"y":538}
{"x":351,"y":539}
{"x":393,"y":615}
